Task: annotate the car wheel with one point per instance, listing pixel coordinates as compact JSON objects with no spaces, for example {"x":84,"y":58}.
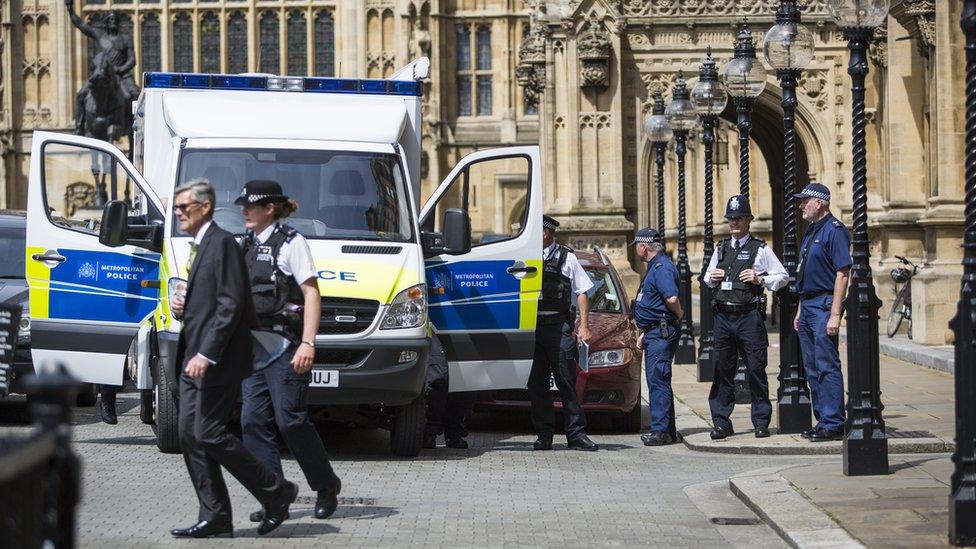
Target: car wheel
{"x":147,"y":398}
{"x":629,"y":422}
{"x":88,"y":395}
{"x":407,"y":431}
{"x":166,"y":424}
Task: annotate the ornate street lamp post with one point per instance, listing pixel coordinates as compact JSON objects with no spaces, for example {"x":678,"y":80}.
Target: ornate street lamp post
{"x":657,"y":130}
{"x":962,"y":499}
{"x":682,"y":119}
{"x":745,"y":78}
{"x":709,"y":98}
{"x":865,"y":443}
{"x":788,"y":47}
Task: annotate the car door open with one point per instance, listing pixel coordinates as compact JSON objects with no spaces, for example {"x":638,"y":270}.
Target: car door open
{"x":483,"y":303}
{"x":87,"y":299}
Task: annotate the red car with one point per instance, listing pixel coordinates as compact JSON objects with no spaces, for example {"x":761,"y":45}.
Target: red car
{"x":613,"y":383}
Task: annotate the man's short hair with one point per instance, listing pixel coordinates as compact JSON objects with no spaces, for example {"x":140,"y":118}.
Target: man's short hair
{"x":654,"y":246}
{"x":202,"y":191}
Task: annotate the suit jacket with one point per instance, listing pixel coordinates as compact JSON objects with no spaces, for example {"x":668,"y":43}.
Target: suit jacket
{"x":218,"y":314}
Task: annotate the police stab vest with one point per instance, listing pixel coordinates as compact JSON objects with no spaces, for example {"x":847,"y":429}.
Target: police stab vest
{"x":277,"y":297}
{"x":733,"y":262}
{"x":557,"y":288}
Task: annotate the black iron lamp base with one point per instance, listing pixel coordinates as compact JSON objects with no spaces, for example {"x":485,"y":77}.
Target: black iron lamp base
{"x":686,"y":351}
{"x":962,"y":519}
{"x":794,"y":418}
{"x":706,"y":364}
{"x":865,"y":457}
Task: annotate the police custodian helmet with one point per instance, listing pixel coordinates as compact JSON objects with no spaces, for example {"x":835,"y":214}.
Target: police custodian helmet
{"x":738,"y":206}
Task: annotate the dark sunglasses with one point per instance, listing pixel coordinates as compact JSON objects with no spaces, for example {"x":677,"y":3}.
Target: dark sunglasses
{"x":184,"y":207}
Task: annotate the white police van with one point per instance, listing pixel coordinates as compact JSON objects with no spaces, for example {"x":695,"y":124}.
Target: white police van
{"x":103,"y":248}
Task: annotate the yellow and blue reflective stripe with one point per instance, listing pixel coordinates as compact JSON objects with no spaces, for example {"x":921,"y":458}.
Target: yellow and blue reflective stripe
{"x":482,"y":295}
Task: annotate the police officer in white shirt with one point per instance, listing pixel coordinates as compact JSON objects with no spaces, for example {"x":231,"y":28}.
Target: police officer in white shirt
{"x":555,"y":347}
{"x":284,"y":287}
{"x":740,"y":270}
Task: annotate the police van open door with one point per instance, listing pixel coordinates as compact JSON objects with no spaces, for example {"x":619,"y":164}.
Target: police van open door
{"x":87,"y":300}
{"x":483,"y":304}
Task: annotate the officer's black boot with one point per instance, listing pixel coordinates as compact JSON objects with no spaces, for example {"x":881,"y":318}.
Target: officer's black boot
{"x":106,"y":406}
{"x":544,"y":442}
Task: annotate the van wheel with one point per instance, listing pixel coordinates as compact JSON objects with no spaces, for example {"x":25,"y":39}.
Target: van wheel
{"x":88,"y":395}
{"x":146,"y":402}
{"x":629,"y":422}
{"x":407,"y":431}
{"x":166,"y":425}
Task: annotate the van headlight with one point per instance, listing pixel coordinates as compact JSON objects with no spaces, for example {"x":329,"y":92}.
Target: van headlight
{"x":613,"y":357}
{"x":407,"y":310}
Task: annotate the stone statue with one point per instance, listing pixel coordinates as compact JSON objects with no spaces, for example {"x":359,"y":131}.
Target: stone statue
{"x":103,"y":104}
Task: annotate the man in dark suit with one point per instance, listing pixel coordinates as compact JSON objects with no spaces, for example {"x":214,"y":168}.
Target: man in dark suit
{"x":215,"y":354}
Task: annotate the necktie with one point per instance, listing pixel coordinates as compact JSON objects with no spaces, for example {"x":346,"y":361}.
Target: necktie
{"x":193,"y":255}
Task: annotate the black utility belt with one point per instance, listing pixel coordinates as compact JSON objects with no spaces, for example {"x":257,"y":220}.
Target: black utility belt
{"x":657,"y":324}
{"x":726,"y":307}
{"x":812,"y":295}
{"x":551,"y":319}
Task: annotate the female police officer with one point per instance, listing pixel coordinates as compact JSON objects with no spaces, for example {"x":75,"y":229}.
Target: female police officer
{"x":284,"y":286}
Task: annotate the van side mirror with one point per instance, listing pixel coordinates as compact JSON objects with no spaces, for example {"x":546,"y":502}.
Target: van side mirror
{"x":457,"y":232}
{"x":114,"y":230}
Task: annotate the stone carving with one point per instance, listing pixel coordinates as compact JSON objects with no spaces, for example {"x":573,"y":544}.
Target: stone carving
{"x":813,"y":84}
{"x":658,"y":82}
{"x":596,"y":120}
{"x":594,"y":50}
{"x":878,"y":50}
{"x":638,"y":40}
{"x":530,"y":72}
{"x":78,"y":195}
{"x":918,"y":17}
{"x":686,"y":8}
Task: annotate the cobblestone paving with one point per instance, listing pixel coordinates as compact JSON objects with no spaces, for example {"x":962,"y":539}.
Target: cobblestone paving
{"x":498,"y":493}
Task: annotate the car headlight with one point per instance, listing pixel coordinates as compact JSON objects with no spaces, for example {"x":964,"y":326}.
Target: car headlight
{"x":407,"y":310}
{"x":613,"y":357}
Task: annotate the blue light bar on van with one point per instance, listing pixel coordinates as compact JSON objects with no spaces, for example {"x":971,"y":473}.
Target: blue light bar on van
{"x":279,"y":83}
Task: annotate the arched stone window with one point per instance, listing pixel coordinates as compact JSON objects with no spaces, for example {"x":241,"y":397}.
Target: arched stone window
{"x":297,"y":44}
{"x":183,"y":43}
{"x":150,"y":38}
{"x":237,"y":43}
{"x":324,"y":41}
{"x":269,"y":56}
{"x":210,"y":43}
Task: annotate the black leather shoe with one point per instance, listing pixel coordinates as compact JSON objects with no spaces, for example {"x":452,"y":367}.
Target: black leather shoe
{"x":824,"y":435}
{"x":258,"y":516}
{"x":656,"y":438}
{"x":456,"y":443}
{"x":583,"y":443}
{"x":328,"y":501}
{"x":809,"y":432}
{"x":107,"y":412}
{"x":276,"y":514}
{"x":762,"y":432}
{"x":430,"y":442}
{"x":542,"y":443}
{"x":718,"y":433}
{"x":205,"y":529}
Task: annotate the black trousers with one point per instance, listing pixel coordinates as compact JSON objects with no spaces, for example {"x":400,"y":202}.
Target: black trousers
{"x":447,"y":413}
{"x":733,"y":331}
{"x":277,"y":396}
{"x":208,"y":445}
{"x":555,"y":347}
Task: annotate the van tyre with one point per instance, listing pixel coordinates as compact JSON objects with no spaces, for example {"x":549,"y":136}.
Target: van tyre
{"x":166,"y":425}
{"x":407,"y":430}
{"x":88,"y":395}
{"x":146,"y":398}
{"x":629,"y":422}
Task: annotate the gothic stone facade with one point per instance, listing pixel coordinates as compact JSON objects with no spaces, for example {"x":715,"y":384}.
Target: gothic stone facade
{"x":574,"y":76}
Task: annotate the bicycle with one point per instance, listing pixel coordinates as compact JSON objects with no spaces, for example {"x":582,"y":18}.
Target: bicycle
{"x":901,"y":309}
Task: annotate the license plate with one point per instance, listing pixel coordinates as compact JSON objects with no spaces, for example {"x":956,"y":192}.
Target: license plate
{"x":324,"y":378}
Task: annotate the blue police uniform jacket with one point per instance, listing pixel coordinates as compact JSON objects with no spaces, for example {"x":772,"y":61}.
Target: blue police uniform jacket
{"x":660,"y":283}
{"x":826,"y":249}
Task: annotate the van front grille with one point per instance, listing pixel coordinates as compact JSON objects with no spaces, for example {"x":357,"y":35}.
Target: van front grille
{"x":346,"y":315}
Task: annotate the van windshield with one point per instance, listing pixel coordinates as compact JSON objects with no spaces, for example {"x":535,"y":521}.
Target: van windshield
{"x":340,"y":195}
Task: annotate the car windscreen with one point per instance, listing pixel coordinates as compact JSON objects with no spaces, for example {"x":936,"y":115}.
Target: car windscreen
{"x":12,"y":247}
{"x":340,"y":194}
{"x":604,"y":297}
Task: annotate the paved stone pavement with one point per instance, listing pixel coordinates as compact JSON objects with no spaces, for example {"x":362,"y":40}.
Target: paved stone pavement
{"x":908,"y":508}
{"x":498,"y":493}
{"x":919,"y":402}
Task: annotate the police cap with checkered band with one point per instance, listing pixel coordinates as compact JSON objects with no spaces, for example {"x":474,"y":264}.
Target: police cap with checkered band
{"x":647,"y":235}
{"x":814,"y":190}
{"x":260,"y":191}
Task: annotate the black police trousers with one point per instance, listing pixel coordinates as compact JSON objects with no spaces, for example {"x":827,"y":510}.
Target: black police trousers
{"x":276,"y":396}
{"x":447,"y":413}
{"x":734,"y":330}
{"x":555,"y":348}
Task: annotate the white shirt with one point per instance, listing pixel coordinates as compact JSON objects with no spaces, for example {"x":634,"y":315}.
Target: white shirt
{"x":294,"y":257}
{"x":775,"y":276}
{"x":198,"y":238}
{"x":572,"y":270}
